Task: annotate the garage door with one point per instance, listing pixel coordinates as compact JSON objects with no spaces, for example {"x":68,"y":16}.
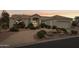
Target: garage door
{"x":63,"y":24}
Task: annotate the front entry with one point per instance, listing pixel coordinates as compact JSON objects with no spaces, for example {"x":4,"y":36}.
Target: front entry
{"x":35,"y":22}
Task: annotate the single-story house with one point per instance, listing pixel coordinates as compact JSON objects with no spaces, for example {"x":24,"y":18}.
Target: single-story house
{"x":60,"y":21}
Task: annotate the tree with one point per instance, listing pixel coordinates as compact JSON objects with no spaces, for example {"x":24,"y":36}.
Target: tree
{"x":31,"y":26}
{"x":54,"y":27}
{"x":21,"y":25}
{"x":5,"y":18}
{"x":74,"y":23}
{"x":14,"y":28}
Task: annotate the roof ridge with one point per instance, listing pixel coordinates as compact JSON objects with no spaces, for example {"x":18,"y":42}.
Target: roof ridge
{"x":61,"y":16}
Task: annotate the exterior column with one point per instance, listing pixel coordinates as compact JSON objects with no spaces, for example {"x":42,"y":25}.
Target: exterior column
{"x":11,"y":23}
{"x":51,"y":23}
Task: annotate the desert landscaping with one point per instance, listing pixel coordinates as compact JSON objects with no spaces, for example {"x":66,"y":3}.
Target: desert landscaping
{"x":18,"y":30}
{"x":27,"y":36}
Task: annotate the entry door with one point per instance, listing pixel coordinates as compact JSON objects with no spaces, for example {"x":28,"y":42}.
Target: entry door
{"x":35,"y":22}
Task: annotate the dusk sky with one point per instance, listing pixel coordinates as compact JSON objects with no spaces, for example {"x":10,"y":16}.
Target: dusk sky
{"x":67,"y":13}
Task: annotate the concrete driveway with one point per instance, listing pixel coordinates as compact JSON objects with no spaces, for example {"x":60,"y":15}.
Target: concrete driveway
{"x":20,"y":37}
{"x":25,"y":36}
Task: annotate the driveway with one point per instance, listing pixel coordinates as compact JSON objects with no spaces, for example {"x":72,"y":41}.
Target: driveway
{"x":25,"y":36}
{"x":20,"y":37}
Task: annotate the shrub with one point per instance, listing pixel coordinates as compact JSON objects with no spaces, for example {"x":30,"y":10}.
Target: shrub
{"x":21,"y":25}
{"x":54,"y":27}
{"x":4,"y":26}
{"x":14,"y":29}
{"x":74,"y":23}
{"x":64,"y":30}
{"x":38,"y":27}
{"x":48,"y":26}
{"x":74,"y":32}
{"x":41,"y":34}
{"x":43,"y":25}
{"x":58,"y":30}
{"x":0,"y":28}
{"x":31,"y":26}
{"x":26,"y":27}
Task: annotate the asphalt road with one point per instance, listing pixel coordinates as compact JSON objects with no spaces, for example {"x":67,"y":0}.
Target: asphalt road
{"x":65,"y":43}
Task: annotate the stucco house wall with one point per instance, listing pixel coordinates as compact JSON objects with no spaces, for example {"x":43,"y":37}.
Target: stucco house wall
{"x":11,"y":23}
{"x":26,"y":22}
{"x":59,"y":21}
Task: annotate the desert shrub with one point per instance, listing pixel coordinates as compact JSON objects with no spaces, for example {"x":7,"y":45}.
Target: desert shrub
{"x":31,"y":26}
{"x":74,"y":23}
{"x":14,"y":28}
{"x":43,"y":25}
{"x":74,"y":32}
{"x":26,"y":27}
{"x":48,"y":26}
{"x":0,"y":28}
{"x":54,"y":27}
{"x":21,"y":25}
{"x":58,"y":30}
{"x":4,"y":25}
{"x":41,"y":34}
{"x":64,"y":30}
{"x":38,"y":27}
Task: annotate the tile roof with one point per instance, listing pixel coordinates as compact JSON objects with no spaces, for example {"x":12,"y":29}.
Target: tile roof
{"x":58,"y":17}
